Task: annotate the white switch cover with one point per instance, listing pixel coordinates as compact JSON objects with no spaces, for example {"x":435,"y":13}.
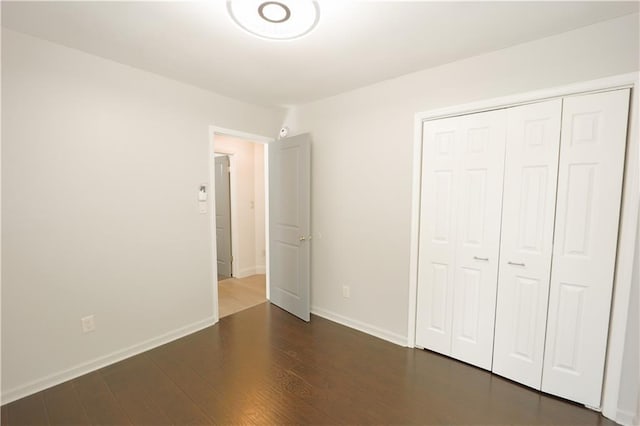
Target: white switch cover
{"x":202,"y":207}
{"x":202,"y":193}
{"x":346,"y":291}
{"x":88,"y":324}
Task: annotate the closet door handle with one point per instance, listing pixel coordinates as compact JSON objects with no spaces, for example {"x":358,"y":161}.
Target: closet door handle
{"x":484,"y":259}
{"x":516,"y":264}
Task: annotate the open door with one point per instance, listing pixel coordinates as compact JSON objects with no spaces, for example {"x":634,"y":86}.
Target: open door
{"x":289,"y":224}
{"x":223,"y":216}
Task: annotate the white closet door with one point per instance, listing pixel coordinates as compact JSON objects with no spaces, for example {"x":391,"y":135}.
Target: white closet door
{"x":529,"y":201}
{"x":440,"y":165}
{"x":594,"y":129}
{"x":481,"y":150}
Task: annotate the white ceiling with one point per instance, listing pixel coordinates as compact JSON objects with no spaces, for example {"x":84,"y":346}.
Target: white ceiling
{"x":356,"y":43}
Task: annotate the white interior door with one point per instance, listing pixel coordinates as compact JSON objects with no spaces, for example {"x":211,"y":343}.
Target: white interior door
{"x":437,"y":243}
{"x":594,"y":130}
{"x":529,"y":201}
{"x":223,"y":215}
{"x":289,"y":224}
{"x":481,"y":150}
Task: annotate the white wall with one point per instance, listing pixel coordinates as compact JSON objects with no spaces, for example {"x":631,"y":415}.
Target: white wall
{"x":259,"y":194}
{"x":362,"y":160}
{"x":100,"y":169}
{"x":247,"y":201}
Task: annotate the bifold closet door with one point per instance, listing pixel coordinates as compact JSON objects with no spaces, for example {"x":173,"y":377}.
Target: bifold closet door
{"x":481,"y":153}
{"x":594,"y":131}
{"x":437,"y":242}
{"x":462,"y":171}
{"x":529,"y":201}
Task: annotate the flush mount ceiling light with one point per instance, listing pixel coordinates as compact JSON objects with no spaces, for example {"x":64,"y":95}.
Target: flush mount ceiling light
{"x":275,"y":20}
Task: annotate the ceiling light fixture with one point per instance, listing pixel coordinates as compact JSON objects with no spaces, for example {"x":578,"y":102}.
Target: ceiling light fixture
{"x":275,"y":20}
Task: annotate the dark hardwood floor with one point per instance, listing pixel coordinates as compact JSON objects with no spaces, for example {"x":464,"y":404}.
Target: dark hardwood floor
{"x":264,"y":366}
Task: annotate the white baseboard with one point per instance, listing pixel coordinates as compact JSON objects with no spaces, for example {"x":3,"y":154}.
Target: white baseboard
{"x":38,"y":385}
{"x":380,"y":333}
{"x":626,"y":418}
{"x":247,"y":272}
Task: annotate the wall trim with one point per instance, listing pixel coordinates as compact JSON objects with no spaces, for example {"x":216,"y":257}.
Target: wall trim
{"x":372,"y":330}
{"x":54,"y":379}
{"x":628,"y":219}
{"x":246,"y":272}
{"x":623,"y":273}
{"x":592,"y":86}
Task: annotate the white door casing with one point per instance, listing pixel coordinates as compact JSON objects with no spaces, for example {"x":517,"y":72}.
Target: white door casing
{"x":289,"y":224}
{"x":529,"y":201}
{"x":437,"y":238}
{"x":479,"y":211}
{"x":223,"y":215}
{"x":594,"y":130}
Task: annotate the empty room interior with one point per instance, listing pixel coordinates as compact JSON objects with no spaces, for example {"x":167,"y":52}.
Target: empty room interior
{"x":320,"y":212}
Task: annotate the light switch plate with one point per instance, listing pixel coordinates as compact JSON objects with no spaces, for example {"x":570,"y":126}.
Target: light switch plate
{"x":88,"y":324}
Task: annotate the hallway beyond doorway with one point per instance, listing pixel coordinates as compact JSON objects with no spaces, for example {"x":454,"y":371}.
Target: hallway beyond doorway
{"x":235,"y":295}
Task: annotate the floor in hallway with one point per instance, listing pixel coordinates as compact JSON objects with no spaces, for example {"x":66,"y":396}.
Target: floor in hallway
{"x":238,"y":294}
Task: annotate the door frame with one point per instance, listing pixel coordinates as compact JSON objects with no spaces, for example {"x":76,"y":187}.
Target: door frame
{"x":264,"y":140}
{"x":628,"y":226}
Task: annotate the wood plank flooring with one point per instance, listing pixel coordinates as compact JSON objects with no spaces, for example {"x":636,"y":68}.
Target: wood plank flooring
{"x":237,"y":294}
{"x":264,"y":366}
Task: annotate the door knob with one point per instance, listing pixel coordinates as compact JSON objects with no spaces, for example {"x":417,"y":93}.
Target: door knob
{"x":302,"y":238}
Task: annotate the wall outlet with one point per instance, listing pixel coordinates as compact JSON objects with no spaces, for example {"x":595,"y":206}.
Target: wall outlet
{"x":88,"y":324}
{"x":346,"y":291}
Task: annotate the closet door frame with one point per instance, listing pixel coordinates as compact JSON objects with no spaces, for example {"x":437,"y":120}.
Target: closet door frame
{"x":628,"y":217}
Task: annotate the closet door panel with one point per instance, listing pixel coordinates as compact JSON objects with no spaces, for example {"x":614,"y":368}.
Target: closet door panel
{"x":481,"y":147}
{"x":594,"y":130}
{"x":531,"y":167}
{"x":440,"y":165}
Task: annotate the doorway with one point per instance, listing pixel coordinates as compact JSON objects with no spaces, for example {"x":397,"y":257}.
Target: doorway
{"x":240,"y":210}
